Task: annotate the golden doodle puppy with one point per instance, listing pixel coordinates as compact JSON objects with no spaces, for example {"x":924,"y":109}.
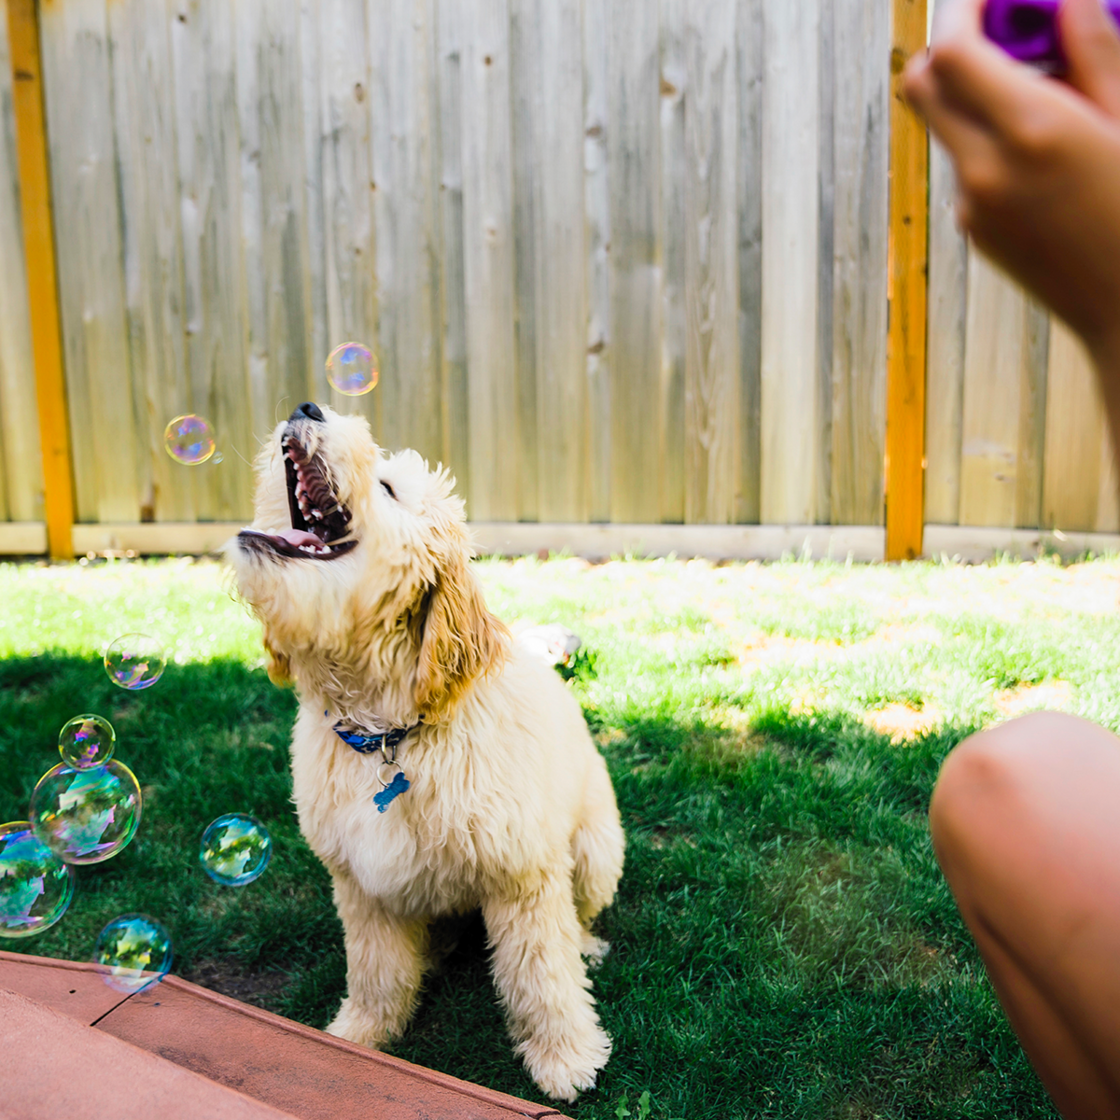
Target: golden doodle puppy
{"x":437,"y":766}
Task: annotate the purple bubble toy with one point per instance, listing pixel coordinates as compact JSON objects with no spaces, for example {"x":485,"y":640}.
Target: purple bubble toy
{"x":1028,"y":30}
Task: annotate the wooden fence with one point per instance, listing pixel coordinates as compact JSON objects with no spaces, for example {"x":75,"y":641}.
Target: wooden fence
{"x":622,"y":261}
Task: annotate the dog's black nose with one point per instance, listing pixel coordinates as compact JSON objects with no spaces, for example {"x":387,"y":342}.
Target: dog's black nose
{"x":309,"y":410}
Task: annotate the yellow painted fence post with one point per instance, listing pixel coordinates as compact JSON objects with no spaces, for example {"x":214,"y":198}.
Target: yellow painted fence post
{"x":907,"y":284}
{"x":42,"y":288}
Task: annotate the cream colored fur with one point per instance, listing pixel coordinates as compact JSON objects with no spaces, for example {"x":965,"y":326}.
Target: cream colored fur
{"x":510,"y":807}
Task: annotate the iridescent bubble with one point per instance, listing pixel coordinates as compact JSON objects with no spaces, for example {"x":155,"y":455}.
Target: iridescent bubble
{"x":351,"y":369}
{"x":189,"y":439}
{"x":235,"y":849}
{"x":87,"y":741}
{"x":35,"y":885}
{"x":86,"y":816}
{"x":135,"y":661}
{"x":133,"y":951}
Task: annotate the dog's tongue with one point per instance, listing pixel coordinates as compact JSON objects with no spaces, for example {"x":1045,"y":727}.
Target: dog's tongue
{"x":297,"y":537}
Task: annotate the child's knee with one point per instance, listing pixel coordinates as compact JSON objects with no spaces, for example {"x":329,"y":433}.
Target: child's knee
{"x":990,"y":770}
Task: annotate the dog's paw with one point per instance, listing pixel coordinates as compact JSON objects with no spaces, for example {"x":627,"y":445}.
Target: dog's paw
{"x":593,"y":948}
{"x":563,"y":1069}
{"x":355,"y":1026}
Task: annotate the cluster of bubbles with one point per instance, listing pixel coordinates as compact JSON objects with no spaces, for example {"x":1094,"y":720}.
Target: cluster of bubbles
{"x":86,"y":810}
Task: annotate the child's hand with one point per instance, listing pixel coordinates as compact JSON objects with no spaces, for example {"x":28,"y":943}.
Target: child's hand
{"x":1038,"y":161}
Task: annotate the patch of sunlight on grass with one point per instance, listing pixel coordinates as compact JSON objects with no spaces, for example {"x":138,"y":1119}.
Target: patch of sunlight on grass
{"x":186,"y":604}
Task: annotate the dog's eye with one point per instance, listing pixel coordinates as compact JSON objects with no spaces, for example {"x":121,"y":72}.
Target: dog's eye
{"x":389,"y":490}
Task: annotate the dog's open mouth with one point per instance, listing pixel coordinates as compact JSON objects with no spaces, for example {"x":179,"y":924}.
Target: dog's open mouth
{"x":320,"y":522}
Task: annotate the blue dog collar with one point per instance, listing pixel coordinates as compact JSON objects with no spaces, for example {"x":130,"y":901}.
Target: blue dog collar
{"x":387,"y":742}
{"x":390,"y":773}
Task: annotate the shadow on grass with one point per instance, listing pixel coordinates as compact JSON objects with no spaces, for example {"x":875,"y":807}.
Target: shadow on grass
{"x":207,"y":739}
{"x":783,"y":944}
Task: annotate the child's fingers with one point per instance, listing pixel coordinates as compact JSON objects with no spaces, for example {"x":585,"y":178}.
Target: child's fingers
{"x":1092,"y":47}
{"x":966,"y":139}
{"x":983,"y":82}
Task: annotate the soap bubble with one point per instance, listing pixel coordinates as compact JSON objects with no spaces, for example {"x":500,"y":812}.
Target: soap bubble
{"x":351,"y":369}
{"x":86,"y":816}
{"x":189,"y":439}
{"x":235,"y":850}
{"x":35,"y":885}
{"x":133,"y":951}
{"x":135,"y":661}
{"x":87,"y":741}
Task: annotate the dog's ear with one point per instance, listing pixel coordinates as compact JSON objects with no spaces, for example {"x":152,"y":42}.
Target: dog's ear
{"x":461,"y":640}
{"x":278,"y":664}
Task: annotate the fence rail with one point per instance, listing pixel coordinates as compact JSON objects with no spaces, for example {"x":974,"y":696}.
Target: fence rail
{"x":623,"y":262}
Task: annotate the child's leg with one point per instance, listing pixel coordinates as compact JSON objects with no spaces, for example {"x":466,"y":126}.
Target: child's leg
{"x":1026,"y":824}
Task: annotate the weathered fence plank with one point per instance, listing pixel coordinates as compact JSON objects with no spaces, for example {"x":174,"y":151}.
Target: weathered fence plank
{"x":858,"y":346}
{"x":676,"y":94}
{"x":597,"y":206}
{"x":21,"y":474}
{"x":1005,"y":385}
{"x":344,"y":148}
{"x":948,"y":308}
{"x":314,"y":211}
{"x":546,"y":44}
{"x":1078,"y":445}
{"x":214,"y":305}
{"x":560,"y":274}
{"x":403,"y":107}
{"x":453,"y":295}
{"x":791,"y":397}
{"x":273,"y":220}
{"x":711,"y":265}
{"x":637,"y":408}
{"x":527,"y":151}
{"x":488,"y":261}
{"x":76,"y":73}
{"x":749,"y":41}
{"x":1108,"y":491}
{"x":144,"y":124}
{"x":826,"y":251}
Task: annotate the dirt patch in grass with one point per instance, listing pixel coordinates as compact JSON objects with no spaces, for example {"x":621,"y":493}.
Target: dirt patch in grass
{"x":230,"y":978}
{"x":903,"y":722}
{"x":768,"y":649}
{"x":1011,"y":702}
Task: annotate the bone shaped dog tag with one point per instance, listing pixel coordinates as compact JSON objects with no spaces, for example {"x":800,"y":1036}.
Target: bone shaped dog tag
{"x":393,"y":790}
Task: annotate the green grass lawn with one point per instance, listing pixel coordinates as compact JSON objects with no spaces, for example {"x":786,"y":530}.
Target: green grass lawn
{"x":783,"y":943}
